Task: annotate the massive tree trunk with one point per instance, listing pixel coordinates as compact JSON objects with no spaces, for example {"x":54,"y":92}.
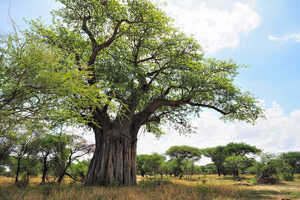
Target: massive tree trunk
{"x":114,"y":160}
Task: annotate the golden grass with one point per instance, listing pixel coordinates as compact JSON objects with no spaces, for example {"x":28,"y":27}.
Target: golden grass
{"x":214,"y":188}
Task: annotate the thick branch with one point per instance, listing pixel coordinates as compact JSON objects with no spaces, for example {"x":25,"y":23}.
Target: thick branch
{"x":96,"y":48}
{"x":144,"y":115}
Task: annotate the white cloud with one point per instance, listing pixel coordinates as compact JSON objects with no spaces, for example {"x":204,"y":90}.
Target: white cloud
{"x":216,"y":24}
{"x":279,"y":132}
{"x":293,"y":36}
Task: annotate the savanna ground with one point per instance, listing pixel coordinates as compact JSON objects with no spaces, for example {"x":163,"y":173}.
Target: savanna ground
{"x":203,"y":187}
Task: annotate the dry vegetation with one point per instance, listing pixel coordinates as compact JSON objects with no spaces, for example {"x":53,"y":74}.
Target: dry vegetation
{"x":200,"y":187}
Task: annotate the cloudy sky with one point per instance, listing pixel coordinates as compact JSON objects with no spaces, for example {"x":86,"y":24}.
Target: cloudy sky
{"x":263,"y":34}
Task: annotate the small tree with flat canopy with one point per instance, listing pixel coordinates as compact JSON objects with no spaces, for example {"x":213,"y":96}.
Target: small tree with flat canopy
{"x":217,"y":155}
{"x":183,"y":156}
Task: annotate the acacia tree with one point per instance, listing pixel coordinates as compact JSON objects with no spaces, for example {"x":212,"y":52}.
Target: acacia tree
{"x":217,"y":155}
{"x":184,"y":152}
{"x":151,"y":73}
{"x":184,"y":156}
{"x":235,"y":151}
{"x":45,"y":146}
{"x":241,"y":149}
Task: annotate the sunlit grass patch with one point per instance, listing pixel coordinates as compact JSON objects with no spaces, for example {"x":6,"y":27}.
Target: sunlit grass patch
{"x":214,"y":188}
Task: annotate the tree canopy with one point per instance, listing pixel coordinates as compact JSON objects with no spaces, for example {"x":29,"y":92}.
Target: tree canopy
{"x":235,"y":152}
{"x":184,"y":152}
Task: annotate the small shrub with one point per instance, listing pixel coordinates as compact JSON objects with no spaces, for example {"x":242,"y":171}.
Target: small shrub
{"x":204,"y":191}
{"x":287,"y":176}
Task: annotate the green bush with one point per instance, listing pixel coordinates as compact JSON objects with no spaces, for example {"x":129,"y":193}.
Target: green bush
{"x":287,"y":176}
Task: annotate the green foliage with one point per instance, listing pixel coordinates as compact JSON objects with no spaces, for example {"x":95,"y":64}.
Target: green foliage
{"x":241,"y":149}
{"x":287,"y":176}
{"x":234,"y":153}
{"x":150,"y":164}
{"x":268,"y":170}
{"x":36,"y":85}
{"x":110,"y":63}
{"x":184,"y":152}
{"x":293,"y":160}
{"x":140,"y":161}
{"x":2,"y":169}
{"x":217,"y":155}
{"x":132,"y":54}
{"x":236,"y":164}
{"x":79,"y":169}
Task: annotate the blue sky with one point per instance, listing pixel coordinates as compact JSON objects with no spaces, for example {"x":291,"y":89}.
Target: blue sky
{"x":263,"y":34}
{"x":274,"y":73}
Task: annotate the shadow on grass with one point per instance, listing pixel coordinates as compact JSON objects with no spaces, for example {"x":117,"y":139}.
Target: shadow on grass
{"x":230,"y":178}
{"x":258,"y":194}
{"x":231,"y":192}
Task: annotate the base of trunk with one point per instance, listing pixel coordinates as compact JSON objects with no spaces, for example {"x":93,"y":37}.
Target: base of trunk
{"x":114,"y":161}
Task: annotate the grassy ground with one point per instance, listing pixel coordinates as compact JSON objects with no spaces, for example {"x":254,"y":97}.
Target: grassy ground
{"x":201,"y":187}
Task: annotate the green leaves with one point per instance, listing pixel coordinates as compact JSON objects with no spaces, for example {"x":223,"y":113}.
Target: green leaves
{"x":184,"y":152}
{"x":115,"y":59}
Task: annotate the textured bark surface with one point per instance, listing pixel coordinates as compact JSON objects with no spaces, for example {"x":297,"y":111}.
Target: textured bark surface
{"x":114,"y":160}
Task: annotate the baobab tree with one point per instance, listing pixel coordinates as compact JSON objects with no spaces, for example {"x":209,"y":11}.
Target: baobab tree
{"x":146,"y":72}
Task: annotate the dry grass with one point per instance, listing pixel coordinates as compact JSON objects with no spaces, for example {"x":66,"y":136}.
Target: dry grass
{"x":213,"y":188}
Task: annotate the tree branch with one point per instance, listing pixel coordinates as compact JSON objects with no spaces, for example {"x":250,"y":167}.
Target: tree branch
{"x":143,"y":116}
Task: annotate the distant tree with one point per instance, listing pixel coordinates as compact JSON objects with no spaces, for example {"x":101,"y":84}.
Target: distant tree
{"x":241,"y":149}
{"x":184,"y":158}
{"x":140,"y":163}
{"x":293,"y":160}
{"x":45,"y":145}
{"x":175,"y":167}
{"x":209,"y":168}
{"x":22,"y":150}
{"x":217,"y":155}
{"x":184,"y":152}
{"x":188,"y":168}
{"x":153,"y":163}
{"x":68,"y":148}
{"x":236,"y":164}
{"x":268,"y":169}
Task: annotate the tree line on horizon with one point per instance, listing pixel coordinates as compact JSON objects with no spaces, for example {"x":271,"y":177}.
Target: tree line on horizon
{"x":232,"y":159}
{"x":55,"y":156}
